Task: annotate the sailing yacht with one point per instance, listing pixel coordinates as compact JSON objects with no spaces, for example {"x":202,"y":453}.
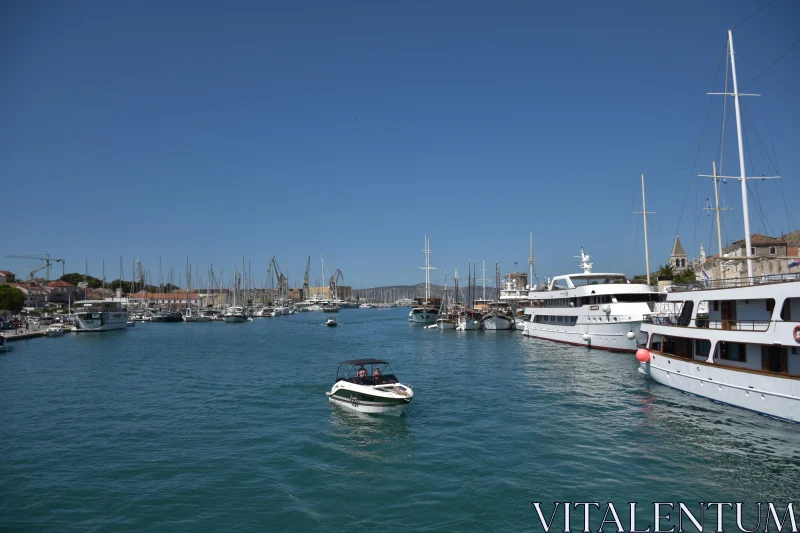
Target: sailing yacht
{"x":426,"y":310}
{"x":734,"y":341}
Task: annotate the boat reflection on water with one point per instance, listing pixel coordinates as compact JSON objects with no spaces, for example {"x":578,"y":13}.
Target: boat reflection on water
{"x":365,"y":435}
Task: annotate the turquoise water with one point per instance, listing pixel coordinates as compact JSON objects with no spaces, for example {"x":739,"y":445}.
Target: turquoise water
{"x":213,"y":426}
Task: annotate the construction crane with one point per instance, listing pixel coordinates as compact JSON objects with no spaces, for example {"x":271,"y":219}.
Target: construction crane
{"x":335,"y":278}
{"x":47,"y":262}
{"x":305,"y":278}
{"x":283,"y":282}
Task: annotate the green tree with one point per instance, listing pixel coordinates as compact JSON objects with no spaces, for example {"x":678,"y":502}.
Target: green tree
{"x":666,"y":270}
{"x":11,"y":298}
{"x":685,"y":276}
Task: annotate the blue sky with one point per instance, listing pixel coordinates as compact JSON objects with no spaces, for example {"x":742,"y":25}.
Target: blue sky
{"x":352,"y":129}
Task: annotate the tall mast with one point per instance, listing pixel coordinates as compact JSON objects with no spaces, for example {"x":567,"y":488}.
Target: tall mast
{"x":427,"y":268}
{"x":716,"y":207}
{"x":530,"y":263}
{"x":742,"y":176}
{"x":644,"y":213}
{"x":745,"y":208}
{"x":483,"y":281}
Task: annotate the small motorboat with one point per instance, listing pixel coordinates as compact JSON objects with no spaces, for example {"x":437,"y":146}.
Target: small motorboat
{"x":4,"y":346}
{"x":369,"y":386}
{"x":331,"y":322}
{"x":131,"y":324}
{"x":55,"y":330}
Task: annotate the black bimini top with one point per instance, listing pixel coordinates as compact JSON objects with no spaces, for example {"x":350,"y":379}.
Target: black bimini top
{"x":364,"y":362}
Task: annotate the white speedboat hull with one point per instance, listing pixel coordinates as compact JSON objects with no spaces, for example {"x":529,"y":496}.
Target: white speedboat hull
{"x":369,"y":408}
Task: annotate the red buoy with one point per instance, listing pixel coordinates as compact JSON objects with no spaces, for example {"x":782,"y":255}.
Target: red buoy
{"x":642,"y":355}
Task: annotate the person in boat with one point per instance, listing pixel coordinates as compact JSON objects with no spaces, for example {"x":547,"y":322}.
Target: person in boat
{"x":361,"y":375}
{"x":376,"y":376}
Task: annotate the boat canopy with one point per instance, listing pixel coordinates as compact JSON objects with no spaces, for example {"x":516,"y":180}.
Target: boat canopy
{"x":364,"y":362}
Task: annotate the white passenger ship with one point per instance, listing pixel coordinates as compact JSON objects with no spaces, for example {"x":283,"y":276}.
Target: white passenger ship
{"x":596,"y":310}
{"x":735,"y":341}
{"x":100,"y":315}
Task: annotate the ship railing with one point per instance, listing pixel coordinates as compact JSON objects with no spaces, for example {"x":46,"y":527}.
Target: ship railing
{"x":675,"y":319}
{"x":731,"y":283}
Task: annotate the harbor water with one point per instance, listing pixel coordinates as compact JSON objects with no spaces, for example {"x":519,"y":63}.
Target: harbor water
{"x":226,"y":427}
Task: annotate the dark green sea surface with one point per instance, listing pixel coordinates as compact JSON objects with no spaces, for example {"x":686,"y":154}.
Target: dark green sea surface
{"x":226,"y":427}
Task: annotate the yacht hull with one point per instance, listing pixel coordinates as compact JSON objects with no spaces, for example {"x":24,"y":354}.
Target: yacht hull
{"x":107,"y":323}
{"x":235,"y":318}
{"x":612,"y":336}
{"x":774,"y":396}
{"x":497,"y":322}
{"x":424,"y":316}
{"x":468,"y":324}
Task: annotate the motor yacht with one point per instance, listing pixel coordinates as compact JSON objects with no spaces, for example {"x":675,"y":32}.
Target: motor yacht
{"x":55,"y":330}
{"x":376,"y":393}
{"x":331,"y":322}
{"x":100,"y":315}
{"x":235,"y":314}
{"x":592,"y":309}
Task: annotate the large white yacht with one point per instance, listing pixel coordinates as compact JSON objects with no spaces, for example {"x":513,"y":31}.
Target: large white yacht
{"x":735,"y":341}
{"x":100,"y":315}
{"x":596,"y":310}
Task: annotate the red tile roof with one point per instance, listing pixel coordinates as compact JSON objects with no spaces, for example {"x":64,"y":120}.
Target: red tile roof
{"x":7,"y":273}
{"x":60,"y":283}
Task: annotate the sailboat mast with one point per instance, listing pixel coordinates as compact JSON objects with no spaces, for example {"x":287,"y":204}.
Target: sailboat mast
{"x":530,"y":263}
{"x":717,"y":208}
{"x":483,"y":281}
{"x":745,"y":208}
{"x":646,"y":248}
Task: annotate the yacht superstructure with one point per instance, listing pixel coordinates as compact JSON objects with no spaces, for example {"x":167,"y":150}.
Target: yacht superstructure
{"x":100,"y":315}
{"x":596,"y":310}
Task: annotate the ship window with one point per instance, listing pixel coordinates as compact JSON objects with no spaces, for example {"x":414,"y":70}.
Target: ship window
{"x":770,"y":305}
{"x":732,"y":351}
{"x":655,"y":341}
{"x":786,"y":311}
{"x":773,"y":359}
{"x":702,"y":347}
{"x":716,"y":305}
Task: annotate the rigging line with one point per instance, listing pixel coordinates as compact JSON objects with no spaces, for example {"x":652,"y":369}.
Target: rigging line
{"x":633,"y":249}
{"x":766,"y":152}
{"x":764,"y":221}
{"x":630,"y":212}
{"x":700,"y":144}
{"x":754,"y":14}
{"x":775,"y":62}
{"x":724,"y":111}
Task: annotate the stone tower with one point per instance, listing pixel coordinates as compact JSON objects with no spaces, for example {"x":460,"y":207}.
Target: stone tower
{"x":678,"y":258}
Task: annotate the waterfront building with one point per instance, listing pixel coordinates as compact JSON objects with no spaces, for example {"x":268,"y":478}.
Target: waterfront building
{"x":7,"y":277}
